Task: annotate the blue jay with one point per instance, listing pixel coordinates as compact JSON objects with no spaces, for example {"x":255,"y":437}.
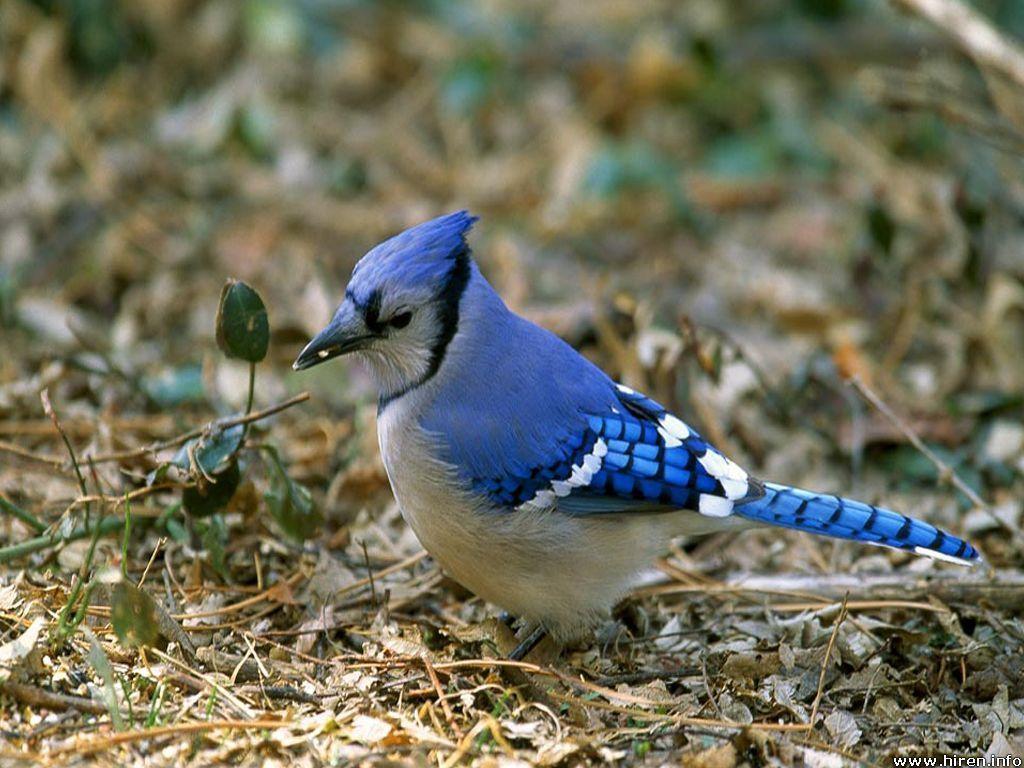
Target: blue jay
{"x":531,"y":477}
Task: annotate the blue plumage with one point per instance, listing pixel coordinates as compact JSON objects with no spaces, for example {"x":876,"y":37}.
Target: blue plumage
{"x":533,"y":478}
{"x":854,"y":520}
{"x":420,"y":256}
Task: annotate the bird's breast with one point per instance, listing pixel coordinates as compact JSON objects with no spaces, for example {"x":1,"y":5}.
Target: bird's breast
{"x":444,"y":517}
{"x":540,"y":564}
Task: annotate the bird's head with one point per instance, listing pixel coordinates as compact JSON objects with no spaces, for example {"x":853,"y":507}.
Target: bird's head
{"x":401,"y":305}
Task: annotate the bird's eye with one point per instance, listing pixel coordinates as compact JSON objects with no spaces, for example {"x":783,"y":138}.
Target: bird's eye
{"x":400,"y":320}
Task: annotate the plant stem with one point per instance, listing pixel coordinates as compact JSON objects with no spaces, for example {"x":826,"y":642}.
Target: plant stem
{"x":252,"y":387}
{"x":48,"y":409}
{"x":26,"y":517}
{"x":248,"y":404}
{"x":104,"y":527}
{"x":74,"y":609}
{"x":124,"y":537}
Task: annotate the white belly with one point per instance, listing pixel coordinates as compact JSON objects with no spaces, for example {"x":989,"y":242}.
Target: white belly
{"x":541,"y":565}
{"x":562,"y":571}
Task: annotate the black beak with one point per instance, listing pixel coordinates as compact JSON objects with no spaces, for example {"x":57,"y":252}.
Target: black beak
{"x":345,"y":333}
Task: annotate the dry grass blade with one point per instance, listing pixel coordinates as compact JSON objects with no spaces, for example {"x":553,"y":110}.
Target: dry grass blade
{"x":824,"y":664}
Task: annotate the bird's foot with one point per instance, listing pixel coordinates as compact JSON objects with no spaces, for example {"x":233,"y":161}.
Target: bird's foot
{"x":530,"y":641}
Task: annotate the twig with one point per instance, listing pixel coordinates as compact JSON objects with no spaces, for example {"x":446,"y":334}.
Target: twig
{"x":369,"y":575}
{"x":117,"y":501}
{"x":271,"y":593}
{"x":56,"y":702}
{"x":145,"y":572}
{"x":1003,"y":590}
{"x":946,"y":473}
{"x":824,"y":665}
{"x":237,"y":704}
{"x":24,"y":453}
{"x":48,"y":409}
{"x":283,"y":693}
{"x":225,"y":423}
{"x":903,"y":91}
{"x":465,"y":743}
{"x":445,"y":706}
{"x":973,"y":33}
{"x":87,"y":747}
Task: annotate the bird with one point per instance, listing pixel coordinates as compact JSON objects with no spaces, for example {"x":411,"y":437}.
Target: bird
{"x":532,"y":477}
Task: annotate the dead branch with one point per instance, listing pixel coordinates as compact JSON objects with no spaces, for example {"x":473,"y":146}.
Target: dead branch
{"x":1005,"y":590}
{"x":973,"y":33}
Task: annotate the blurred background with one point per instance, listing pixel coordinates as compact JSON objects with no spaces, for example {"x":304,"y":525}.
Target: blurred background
{"x":734,"y":206}
{"x":746,"y":199}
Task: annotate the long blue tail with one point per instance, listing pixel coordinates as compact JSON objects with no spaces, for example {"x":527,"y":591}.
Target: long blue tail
{"x":854,"y":520}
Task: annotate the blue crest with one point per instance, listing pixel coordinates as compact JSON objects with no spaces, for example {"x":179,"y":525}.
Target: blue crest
{"x":420,"y":256}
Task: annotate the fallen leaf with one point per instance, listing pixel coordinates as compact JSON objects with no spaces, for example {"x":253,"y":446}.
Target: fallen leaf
{"x":17,"y":649}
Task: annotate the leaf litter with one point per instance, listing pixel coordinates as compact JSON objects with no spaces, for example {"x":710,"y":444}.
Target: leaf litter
{"x":208,"y":565}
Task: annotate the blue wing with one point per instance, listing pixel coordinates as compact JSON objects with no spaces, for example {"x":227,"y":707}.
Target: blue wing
{"x":637,"y":457}
{"x":634,"y":456}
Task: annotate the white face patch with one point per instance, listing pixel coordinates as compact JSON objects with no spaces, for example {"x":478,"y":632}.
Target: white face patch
{"x":714,"y":506}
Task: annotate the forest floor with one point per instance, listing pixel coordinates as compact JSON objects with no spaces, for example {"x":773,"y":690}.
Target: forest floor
{"x":799,"y":225}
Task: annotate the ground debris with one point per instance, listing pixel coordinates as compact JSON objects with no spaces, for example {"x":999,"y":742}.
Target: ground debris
{"x":735,"y":209}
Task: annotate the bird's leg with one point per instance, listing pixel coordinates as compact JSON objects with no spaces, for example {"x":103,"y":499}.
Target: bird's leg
{"x":528,"y":643}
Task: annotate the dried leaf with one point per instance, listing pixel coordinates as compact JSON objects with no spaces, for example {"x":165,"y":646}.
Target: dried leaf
{"x":101,"y":666}
{"x":12,"y":652}
{"x":842,"y":726}
{"x":369,"y":730}
{"x":132,"y":613}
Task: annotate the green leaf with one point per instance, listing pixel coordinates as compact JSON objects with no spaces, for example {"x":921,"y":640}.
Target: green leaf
{"x":207,"y":498}
{"x":274,"y":26}
{"x":133,"y":615}
{"x":158,"y":474}
{"x":176,"y":386}
{"x":243,"y":330}
{"x":214,"y":538}
{"x":290,"y":503}
{"x":101,"y":665}
{"x":213,"y":451}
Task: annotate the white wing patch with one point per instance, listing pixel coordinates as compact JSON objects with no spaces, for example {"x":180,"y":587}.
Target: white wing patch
{"x":714,"y":506}
{"x":582,"y":474}
{"x":732,"y":477}
{"x":734,"y":480}
{"x":674,"y":426}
